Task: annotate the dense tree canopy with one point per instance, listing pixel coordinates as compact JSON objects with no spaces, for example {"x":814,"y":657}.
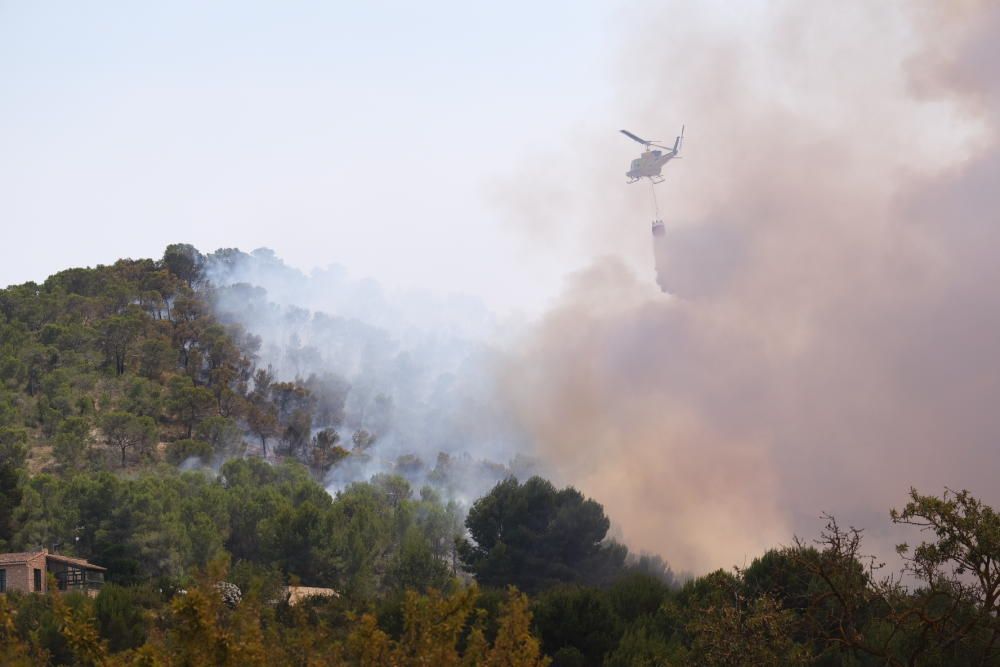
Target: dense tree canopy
{"x":141,"y":432}
{"x":534,"y":536}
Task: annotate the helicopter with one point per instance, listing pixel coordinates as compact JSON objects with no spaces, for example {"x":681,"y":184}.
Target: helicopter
{"x":651,"y":161}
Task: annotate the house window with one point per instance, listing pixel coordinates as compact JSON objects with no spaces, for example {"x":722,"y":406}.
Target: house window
{"x":3,"y":581}
{"x":38,"y":579}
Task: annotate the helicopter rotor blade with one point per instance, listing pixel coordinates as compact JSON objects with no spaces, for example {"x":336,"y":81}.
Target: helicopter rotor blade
{"x":634,"y":137}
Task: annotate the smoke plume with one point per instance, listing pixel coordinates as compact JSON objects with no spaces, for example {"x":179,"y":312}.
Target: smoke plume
{"x":830,"y":331}
{"x":413,"y":370}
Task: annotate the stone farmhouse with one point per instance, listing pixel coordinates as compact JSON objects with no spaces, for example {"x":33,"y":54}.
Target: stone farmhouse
{"x":28,"y":572}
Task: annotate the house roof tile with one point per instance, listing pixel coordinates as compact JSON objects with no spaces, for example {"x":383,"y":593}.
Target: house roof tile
{"x":78,"y":562}
{"x":24,"y":556}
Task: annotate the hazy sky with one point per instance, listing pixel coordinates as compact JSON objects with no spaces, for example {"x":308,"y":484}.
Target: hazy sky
{"x":832,"y":334}
{"x":365,"y":134}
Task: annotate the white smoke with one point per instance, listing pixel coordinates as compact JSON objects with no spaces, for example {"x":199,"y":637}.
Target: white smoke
{"x":413,"y":369}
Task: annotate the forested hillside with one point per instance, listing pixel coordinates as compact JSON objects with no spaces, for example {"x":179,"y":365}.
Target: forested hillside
{"x":140,"y":433}
{"x":127,"y":362}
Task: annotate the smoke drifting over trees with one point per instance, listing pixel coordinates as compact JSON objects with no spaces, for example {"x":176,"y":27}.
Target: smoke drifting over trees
{"x":832,"y":329}
{"x":406,"y":381}
{"x":829,"y":334}
{"x":829,"y":331}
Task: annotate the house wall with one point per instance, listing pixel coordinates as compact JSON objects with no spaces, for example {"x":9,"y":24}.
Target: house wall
{"x":17,"y":576}
{"x":21,"y":576}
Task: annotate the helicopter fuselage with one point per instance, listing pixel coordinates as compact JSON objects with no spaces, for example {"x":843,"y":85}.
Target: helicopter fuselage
{"x":648,"y":165}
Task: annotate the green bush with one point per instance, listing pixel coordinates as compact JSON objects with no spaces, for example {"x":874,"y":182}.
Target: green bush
{"x":121,"y":615}
{"x":181,"y":450}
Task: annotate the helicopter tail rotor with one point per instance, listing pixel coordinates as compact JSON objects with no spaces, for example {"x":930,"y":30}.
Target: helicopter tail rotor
{"x":678,"y":141}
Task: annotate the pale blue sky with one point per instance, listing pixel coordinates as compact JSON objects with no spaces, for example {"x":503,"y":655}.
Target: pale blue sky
{"x":359,"y":133}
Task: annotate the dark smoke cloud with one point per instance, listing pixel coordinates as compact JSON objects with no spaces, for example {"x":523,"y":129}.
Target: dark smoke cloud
{"x":831,"y":334}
